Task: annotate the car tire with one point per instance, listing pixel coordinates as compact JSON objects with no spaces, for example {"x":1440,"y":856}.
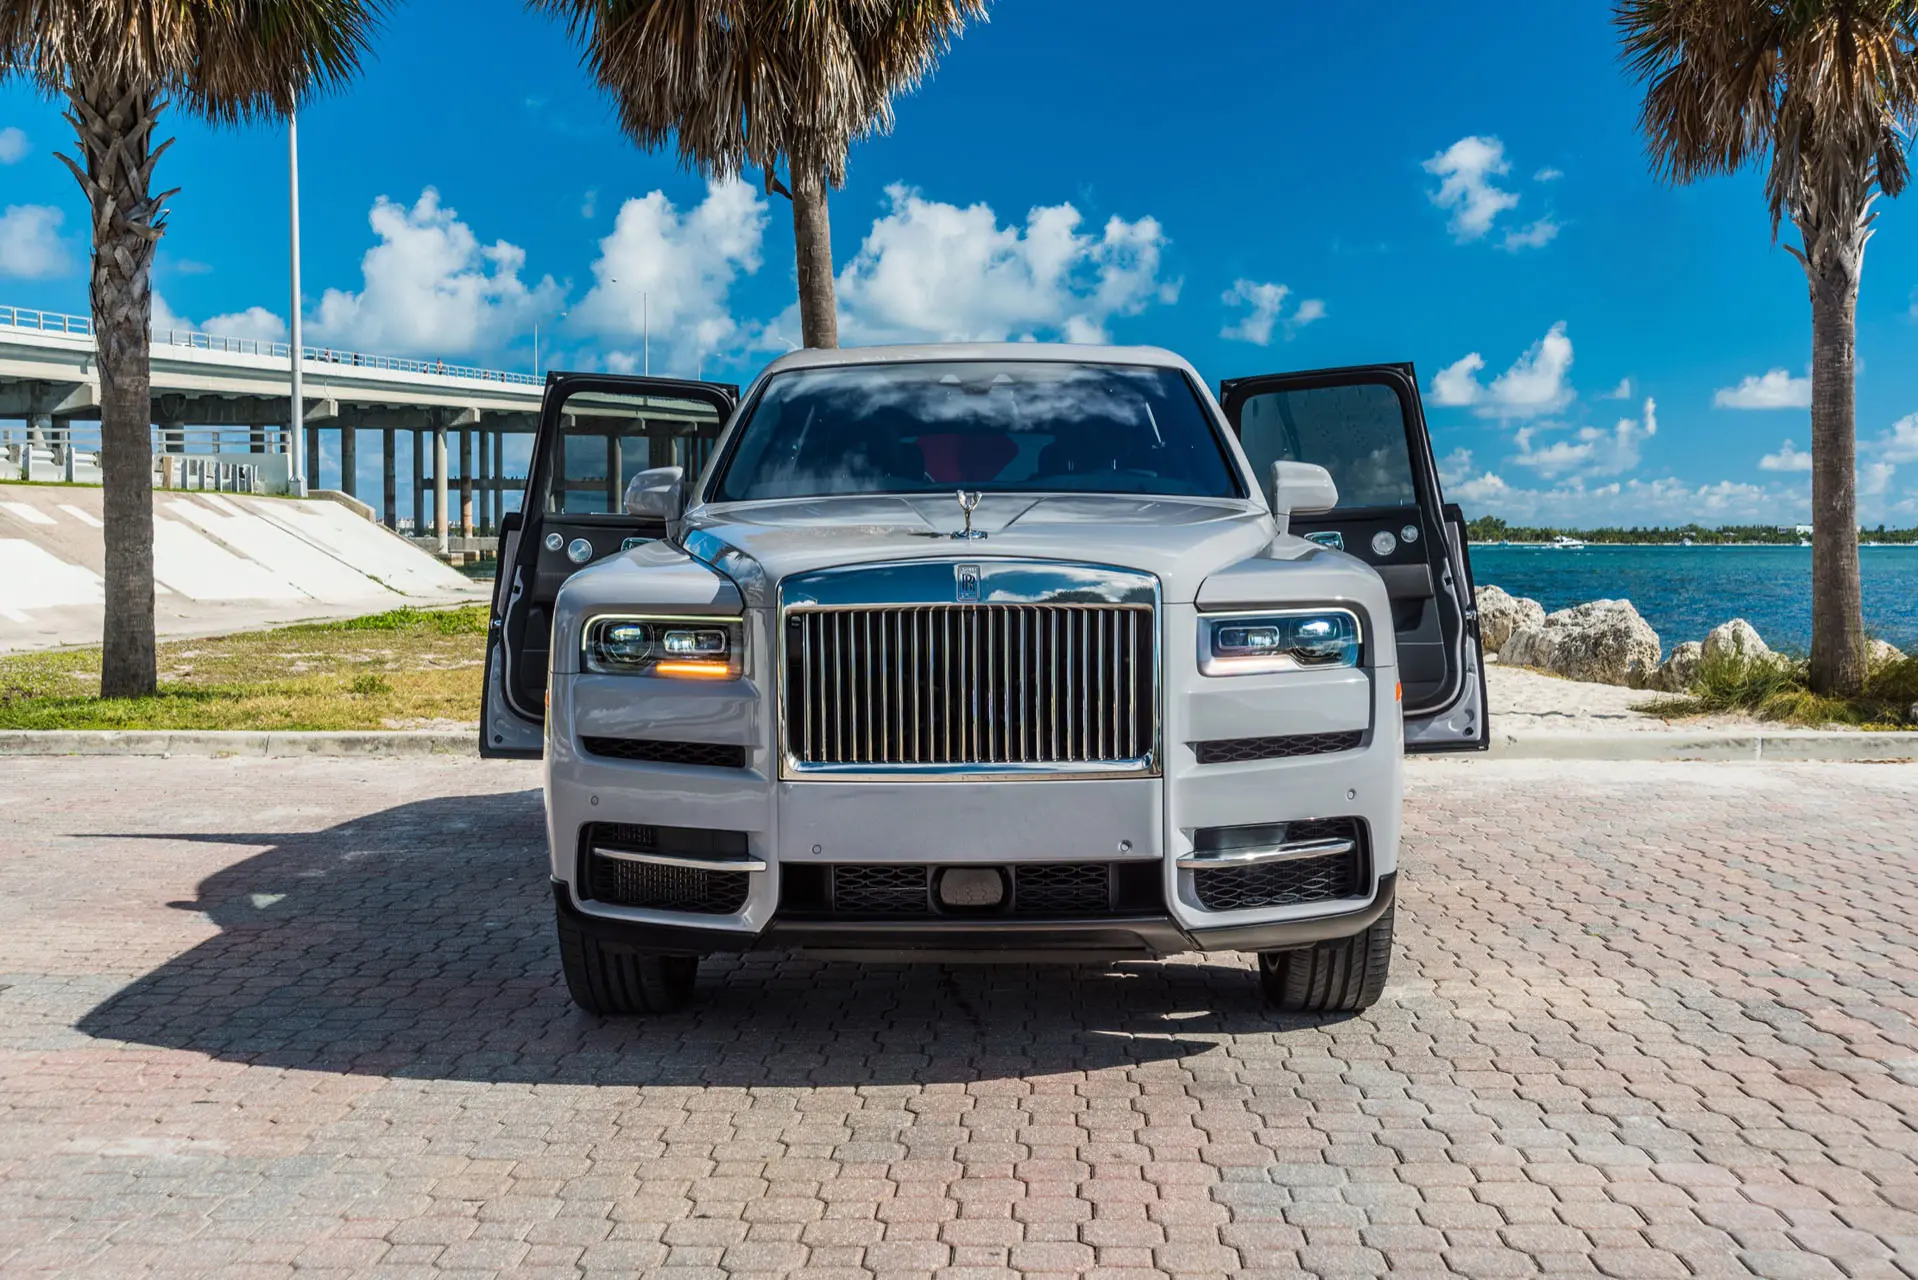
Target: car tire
{"x":605,"y":980}
{"x":1344,"y":975}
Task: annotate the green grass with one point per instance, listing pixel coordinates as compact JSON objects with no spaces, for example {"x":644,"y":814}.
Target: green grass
{"x":1778,"y":689}
{"x":410,"y":668}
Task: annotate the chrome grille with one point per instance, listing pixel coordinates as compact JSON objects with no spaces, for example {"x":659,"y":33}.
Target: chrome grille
{"x":1026,"y":687}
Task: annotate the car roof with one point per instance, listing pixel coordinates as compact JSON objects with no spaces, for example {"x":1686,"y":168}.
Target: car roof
{"x":1043,"y":352}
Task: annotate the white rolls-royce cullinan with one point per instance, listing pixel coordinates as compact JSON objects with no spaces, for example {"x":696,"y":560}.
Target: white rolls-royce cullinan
{"x":980,"y":652}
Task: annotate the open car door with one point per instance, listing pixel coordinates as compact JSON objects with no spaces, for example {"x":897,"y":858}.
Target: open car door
{"x":1367,"y":427}
{"x":596,"y":431}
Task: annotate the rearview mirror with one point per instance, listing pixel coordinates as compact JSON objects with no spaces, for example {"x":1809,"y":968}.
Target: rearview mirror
{"x":1301,"y":488}
{"x":657,"y":494}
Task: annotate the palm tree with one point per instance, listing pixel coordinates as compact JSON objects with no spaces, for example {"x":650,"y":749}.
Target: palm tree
{"x":1825,"y":93}
{"x":117,"y":63}
{"x":765,"y":83}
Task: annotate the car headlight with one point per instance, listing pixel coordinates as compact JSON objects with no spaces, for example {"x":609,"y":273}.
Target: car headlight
{"x":671,"y":647}
{"x":1250,"y":643}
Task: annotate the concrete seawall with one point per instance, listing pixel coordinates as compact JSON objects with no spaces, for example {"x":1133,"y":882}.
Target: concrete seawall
{"x":222,"y":562}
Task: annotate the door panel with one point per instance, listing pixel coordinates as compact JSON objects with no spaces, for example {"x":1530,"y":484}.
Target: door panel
{"x":1367,"y":427}
{"x":595,"y":433}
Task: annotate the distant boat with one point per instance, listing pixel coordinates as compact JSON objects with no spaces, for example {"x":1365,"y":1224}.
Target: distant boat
{"x":1563,"y":543}
{"x":1686,"y":541}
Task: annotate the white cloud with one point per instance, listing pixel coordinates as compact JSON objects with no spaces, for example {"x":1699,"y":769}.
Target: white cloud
{"x":1623,"y":391}
{"x":1267,"y":303}
{"x":1874,"y":479}
{"x":13,"y":145}
{"x":1455,"y":467}
{"x":1457,"y":384}
{"x":1900,"y":444}
{"x":255,"y":323}
{"x":589,"y":203}
{"x":1465,"y":170}
{"x":1668,"y":501}
{"x":1535,"y":384}
{"x":671,"y":271}
{"x":1536,"y":236}
{"x":1548,"y":174}
{"x":930,"y":270}
{"x":30,"y":243}
{"x":1788,"y":458}
{"x":431,"y":287}
{"x":1592,"y":451}
{"x":1774,"y":390}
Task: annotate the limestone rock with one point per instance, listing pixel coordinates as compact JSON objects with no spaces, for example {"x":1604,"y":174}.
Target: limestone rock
{"x":1880,"y":652}
{"x":1604,"y":641}
{"x":1680,"y":670}
{"x":1499,"y":615}
{"x":1737,"y":639}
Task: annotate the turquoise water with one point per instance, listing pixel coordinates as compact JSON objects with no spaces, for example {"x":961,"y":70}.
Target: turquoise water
{"x":1686,"y":591}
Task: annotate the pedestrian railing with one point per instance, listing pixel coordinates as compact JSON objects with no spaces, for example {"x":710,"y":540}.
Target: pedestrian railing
{"x":193,"y":339}
{"x":219,"y":459}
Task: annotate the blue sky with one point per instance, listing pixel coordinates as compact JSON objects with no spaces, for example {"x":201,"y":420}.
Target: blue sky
{"x":1278,"y":186}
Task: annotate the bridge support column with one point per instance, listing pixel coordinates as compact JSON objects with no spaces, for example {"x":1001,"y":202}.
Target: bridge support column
{"x":63,"y":432}
{"x":349,"y":461}
{"x":172,"y":435}
{"x":256,"y":438}
{"x":312,"y":457}
{"x":482,"y":522}
{"x":419,"y":484}
{"x":439,"y":485}
{"x":389,"y":481}
{"x":466,"y":484}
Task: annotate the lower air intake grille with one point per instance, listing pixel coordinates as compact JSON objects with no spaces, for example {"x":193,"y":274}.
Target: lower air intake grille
{"x":1236,"y":750}
{"x":1062,"y":889}
{"x":1050,"y":890}
{"x":873,"y":891}
{"x":695,"y":890}
{"x":641,"y":884}
{"x":712,"y":755}
{"x":1284,"y":884}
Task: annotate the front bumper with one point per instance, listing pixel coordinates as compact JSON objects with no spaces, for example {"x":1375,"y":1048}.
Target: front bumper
{"x":1138,"y":937}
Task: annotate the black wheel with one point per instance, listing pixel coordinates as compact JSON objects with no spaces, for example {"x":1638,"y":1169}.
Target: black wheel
{"x":1344,"y":975}
{"x":604,"y":980}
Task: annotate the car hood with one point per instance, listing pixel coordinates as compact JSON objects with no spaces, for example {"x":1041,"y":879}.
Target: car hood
{"x":1182,"y":541}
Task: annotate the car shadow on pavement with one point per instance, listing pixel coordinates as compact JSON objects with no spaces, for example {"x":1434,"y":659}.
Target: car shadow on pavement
{"x":417,"y":942}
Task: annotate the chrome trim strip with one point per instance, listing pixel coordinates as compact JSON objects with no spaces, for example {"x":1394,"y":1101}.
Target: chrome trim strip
{"x":675,"y":860}
{"x":1261,"y":855}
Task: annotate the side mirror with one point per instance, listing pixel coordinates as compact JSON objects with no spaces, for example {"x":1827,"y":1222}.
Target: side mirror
{"x":1301,"y":488}
{"x":658,"y":494}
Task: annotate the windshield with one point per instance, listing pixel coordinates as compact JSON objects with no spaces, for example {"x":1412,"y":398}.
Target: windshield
{"x":999,"y":426}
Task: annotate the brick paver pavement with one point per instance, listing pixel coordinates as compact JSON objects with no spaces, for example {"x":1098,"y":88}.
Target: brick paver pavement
{"x":267,"y":1017}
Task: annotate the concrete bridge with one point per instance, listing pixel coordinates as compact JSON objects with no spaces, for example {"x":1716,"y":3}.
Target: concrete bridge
{"x":222,"y":404}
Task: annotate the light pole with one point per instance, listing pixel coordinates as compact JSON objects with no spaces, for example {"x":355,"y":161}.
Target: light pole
{"x":296,"y":415}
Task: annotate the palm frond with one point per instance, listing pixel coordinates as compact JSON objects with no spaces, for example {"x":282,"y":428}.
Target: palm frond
{"x":226,"y":60}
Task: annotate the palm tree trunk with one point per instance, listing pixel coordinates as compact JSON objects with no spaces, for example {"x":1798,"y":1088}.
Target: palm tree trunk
{"x":115,"y":123}
{"x":812,"y":243}
{"x":1837,"y":611}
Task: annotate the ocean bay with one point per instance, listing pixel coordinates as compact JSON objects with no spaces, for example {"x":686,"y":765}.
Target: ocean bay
{"x":1683,"y":592}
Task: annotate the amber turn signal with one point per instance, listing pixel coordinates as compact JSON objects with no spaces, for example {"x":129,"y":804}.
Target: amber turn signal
{"x":694,"y":670}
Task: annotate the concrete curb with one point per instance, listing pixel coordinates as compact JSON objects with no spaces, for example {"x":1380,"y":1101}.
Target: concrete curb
{"x":1749,"y":745}
{"x":240,"y":742}
{"x":1778,"y":746}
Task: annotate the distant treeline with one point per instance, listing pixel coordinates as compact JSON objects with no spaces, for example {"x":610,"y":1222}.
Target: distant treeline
{"x":1493,"y":529}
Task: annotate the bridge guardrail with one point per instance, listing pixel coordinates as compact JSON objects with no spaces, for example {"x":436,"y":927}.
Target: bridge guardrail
{"x":193,"y":339}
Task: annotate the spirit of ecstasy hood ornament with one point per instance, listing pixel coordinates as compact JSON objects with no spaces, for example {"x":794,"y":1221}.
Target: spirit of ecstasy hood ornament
{"x":968,"y":502}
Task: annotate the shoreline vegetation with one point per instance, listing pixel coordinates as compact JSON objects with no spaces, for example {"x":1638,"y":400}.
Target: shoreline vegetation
{"x":1490,"y":530}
